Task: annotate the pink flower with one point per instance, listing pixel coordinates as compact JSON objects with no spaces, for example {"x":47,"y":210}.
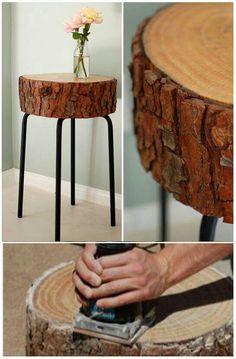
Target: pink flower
{"x":72,"y":24}
{"x":68,"y":27}
{"x":77,"y":20}
{"x":84,"y":16}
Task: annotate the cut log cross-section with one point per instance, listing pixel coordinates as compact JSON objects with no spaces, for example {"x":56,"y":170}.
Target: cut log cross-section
{"x":183,"y":94}
{"x":64,"y":96}
{"x":192,"y":318}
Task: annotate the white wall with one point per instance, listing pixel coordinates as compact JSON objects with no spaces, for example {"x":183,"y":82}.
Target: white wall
{"x":7,"y":158}
{"x":40,"y":45}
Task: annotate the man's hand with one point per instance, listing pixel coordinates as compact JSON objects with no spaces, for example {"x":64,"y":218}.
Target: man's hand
{"x":138,"y":275}
{"x":87,"y":273}
{"x":130,"y":277}
{"x":120,"y":279}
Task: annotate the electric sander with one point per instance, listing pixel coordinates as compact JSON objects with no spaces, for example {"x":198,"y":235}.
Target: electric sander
{"x":122,"y":324}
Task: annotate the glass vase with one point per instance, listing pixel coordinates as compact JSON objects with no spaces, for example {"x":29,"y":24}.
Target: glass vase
{"x":81,"y":61}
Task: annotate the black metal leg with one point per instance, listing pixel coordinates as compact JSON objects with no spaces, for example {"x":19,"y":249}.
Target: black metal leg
{"x":22,"y":165}
{"x":111,"y":171}
{"x":208,"y":228}
{"x":163,"y":226}
{"x":72,"y":162}
{"x":58,"y":180}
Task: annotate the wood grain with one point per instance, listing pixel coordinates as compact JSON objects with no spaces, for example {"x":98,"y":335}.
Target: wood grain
{"x":68,"y":78}
{"x":63,"y":96}
{"x":193,"y":44}
{"x":192,"y":318}
{"x":185,"y":135}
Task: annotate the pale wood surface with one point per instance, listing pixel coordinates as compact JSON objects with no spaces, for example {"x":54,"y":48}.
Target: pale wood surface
{"x":193,"y":44}
{"x":54,"y":298}
{"x":24,"y":263}
{"x":192,"y":318}
{"x":67,"y":77}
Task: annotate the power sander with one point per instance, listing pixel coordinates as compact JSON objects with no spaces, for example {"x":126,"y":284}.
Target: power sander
{"x":122,"y":324}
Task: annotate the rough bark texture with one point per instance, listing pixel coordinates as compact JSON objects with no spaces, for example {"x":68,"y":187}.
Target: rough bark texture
{"x":47,"y":335}
{"x":185,"y":140}
{"x":49,"y":339}
{"x":60,"y":99}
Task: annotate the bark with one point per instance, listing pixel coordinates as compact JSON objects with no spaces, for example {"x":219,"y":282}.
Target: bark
{"x":205,"y":299}
{"x":184,"y":139}
{"x":51,"y":97}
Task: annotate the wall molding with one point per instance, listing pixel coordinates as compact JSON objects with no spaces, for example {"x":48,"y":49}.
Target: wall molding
{"x":45,"y":183}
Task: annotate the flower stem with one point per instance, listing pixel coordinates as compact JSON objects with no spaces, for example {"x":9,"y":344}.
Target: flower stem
{"x":80,"y":60}
{"x":81,"y":40}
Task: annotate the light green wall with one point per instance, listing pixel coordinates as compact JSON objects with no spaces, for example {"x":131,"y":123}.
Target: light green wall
{"x":7,"y":158}
{"x":139,"y":187}
{"x":40,"y":45}
{"x":134,"y":13}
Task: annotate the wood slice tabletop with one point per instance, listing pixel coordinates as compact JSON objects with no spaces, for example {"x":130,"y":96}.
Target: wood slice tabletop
{"x":64,"y":96}
{"x":68,"y":78}
{"x":183,"y":114}
{"x":192,"y":318}
{"x":193,"y":44}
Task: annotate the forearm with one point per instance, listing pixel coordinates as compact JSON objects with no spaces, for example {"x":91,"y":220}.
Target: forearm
{"x":138,"y":275}
{"x":184,"y":260}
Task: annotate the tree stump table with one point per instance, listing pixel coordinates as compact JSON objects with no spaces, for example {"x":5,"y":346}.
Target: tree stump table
{"x":192,"y":318}
{"x":63,"y":96}
{"x":182,"y":75}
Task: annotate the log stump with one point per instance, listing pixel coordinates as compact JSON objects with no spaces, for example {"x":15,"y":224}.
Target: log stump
{"x":182,"y":74}
{"x":64,"y":96}
{"x":192,"y":318}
